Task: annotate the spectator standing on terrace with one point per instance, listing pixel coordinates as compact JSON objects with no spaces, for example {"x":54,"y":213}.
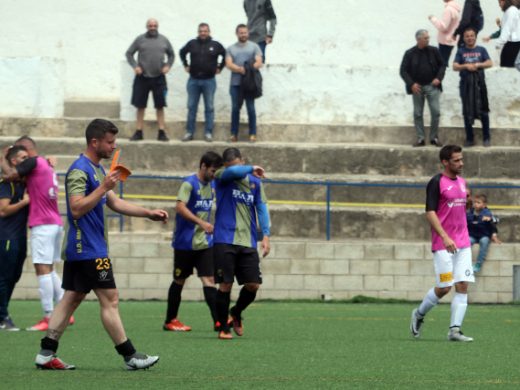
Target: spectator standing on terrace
{"x":446,"y":27}
{"x":472,"y":16}
{"x":422,"y":70}
{"x":204,"y":64}
{"x":259,"y":13}
{"x":509,"y":39}
{"x":150,"y":75}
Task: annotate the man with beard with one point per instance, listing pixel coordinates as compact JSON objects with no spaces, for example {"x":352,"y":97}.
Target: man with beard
{"x":150,"y":70}
{"x":236,"y":56}
{"x":88,"y":265}
{"x":451,"y":247}
{"x":203,"y":66}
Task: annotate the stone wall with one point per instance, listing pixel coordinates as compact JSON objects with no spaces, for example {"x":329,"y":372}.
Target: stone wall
{"x":298,"y":269}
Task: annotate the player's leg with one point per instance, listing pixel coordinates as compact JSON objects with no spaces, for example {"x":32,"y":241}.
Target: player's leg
{"x":443,"y":267}
{"x":248,"y":274}
{"x":463,"y":274}
{"x":46,"y":358}
{"x":224,"y":256}
{"x":205,"y":266}
{"x":111,"y":319}
{"x":182,"y":269}
{"x":56,"y":280}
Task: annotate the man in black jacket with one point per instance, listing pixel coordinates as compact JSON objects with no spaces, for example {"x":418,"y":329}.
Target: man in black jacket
{"x":204,"y":64}
{"x":422,"y":70}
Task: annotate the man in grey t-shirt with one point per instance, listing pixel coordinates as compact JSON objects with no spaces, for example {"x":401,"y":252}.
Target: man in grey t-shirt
{"x":150,"y":70}
{"x":236,"y":56}
{"x":259,"y":13}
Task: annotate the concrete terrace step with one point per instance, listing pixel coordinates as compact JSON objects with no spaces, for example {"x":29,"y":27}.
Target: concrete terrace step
{"x":345,"y":223}
{"x":322,"y":159}
{"x":272,"y":132}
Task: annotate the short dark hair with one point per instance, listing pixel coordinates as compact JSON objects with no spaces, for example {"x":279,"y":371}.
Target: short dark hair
{"x":470,"y":28}
{"x":241,"y":25}
{"x":447,"y":151}
{"x":211,"y":159}
{"x":481,"y":196}
{"x":24,"y":138}
{"x":98,"y":129}
{"x":203,"y":24}
{"x":13,"y":151}
{"x":231,"y":154}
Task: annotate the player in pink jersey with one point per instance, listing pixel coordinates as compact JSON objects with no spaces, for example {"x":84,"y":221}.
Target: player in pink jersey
{"x":45,"y":223}
{"x":451,"y":247}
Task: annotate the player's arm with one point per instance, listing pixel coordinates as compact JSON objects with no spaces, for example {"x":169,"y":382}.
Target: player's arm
{"x":183,"y":197}
{"x":121,"y":206}
{"x":7,"y":209}
{"x":432,"y":203}
{"x":21,"y":170}
{"x":236,"y":172}
{"x":264,"y":221}
{"x":79,"y":203}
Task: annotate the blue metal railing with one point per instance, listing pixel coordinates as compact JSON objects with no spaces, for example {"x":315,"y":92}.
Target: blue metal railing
{"x":327,"y":184}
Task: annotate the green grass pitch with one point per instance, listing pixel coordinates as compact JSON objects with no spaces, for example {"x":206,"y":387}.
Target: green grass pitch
{"x":286,"y":345}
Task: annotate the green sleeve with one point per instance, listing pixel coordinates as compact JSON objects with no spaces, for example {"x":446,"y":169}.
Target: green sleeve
{"x":76,"y":182}
{"x":184,"y":193}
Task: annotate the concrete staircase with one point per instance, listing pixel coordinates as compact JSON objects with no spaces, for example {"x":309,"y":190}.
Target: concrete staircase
{"x":379,"y":179}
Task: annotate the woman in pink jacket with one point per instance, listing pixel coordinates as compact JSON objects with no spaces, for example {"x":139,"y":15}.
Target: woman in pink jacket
{"x":446,"y":27}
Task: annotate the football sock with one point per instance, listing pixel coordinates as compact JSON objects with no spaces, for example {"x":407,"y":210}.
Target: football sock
{"x":222,"y":306}
{"x":48,"y":346}
{"x":245,"y":298}
{"x":125,"y":349}
{"x":429,"y":301}
{"x":459,"y":304}
{"x":46,"y":291}
{"x":210,"y":295}
{"x":174,"y":301}
{"x":56,"y":286}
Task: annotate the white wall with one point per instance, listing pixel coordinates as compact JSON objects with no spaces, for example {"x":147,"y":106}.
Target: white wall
{"x":334,"y":61}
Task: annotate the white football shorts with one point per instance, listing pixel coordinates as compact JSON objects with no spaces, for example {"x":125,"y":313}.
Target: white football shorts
{"x":451,"y":268}
{"x":46,"y":244}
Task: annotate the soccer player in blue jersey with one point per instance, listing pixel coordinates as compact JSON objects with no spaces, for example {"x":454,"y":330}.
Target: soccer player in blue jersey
{"x":193,"y":240}
{"x":88,"y":266}
{"x":240,"y":200}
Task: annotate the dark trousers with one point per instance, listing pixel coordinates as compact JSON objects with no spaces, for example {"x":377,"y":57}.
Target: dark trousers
{"x":484,"y":118}
{"x":12,"y":257}
{"x":445,"y":51}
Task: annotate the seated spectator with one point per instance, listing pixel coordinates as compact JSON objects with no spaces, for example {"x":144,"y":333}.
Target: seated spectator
{"x":482,"y":228}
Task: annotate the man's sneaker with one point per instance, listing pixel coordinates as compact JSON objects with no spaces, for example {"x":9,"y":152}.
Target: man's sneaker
{"x":138,"y":136}
{"x":419,"y":143}
{"x":233,"y":138}
{"x":187,"y":137}
{"x":140,"y":361}
{"x":8,"y":324}
{"x":208,"y":137}
{"x":416,"y":323}
{"x":252,"y":138}
{"x":476,"y":267}
{"x":42,"y":325}
{"x":236,"y":322}
{"x":52,"y":362}
{"x":456,"y":335}
{"x":225,"y":335}
{"x":161,"y":136}
{"x":176,"y":326}
{"x":469,"y":144}
{"x":487,"y":143}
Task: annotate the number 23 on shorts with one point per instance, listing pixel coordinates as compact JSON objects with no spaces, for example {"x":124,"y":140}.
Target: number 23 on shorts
{"x":102,"y":264}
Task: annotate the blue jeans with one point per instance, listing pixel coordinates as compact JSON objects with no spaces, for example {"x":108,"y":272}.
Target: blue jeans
{"x":483,"y":248}
{"x":234,"y":91}
{"x":12,"y":257}
{"x":432,"y":95}
{"x":195,"y":88}
{"x":262,"y":45}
